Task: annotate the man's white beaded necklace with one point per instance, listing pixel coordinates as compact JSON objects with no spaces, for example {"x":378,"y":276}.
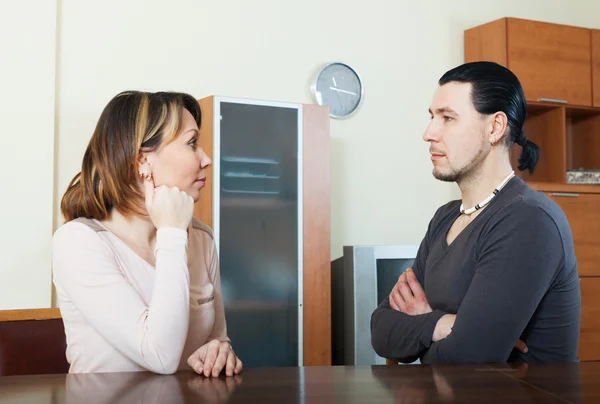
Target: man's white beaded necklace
{"x":488,"y":199}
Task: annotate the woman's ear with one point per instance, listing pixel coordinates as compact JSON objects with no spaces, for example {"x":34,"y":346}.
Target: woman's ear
{"x":143,"y":165}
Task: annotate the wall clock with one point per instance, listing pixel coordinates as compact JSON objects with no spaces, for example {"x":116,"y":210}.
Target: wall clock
{"x":339,"y":86}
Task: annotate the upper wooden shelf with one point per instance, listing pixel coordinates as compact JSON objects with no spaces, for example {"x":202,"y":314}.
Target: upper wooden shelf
{"x":552,"y":61}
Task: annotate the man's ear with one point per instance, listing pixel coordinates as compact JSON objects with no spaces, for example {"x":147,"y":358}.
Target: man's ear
{"x":499,"y":127}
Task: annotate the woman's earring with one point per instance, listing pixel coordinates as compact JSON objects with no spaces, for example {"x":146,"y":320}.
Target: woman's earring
{"x":147,"y":176}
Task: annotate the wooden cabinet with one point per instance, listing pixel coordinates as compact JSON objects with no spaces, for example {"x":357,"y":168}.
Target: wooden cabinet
{"x":583,"y":212}
{"x":581,"y":204}
{"x":267,"y":199}
{"x":589,"y":340}
{"x":552,"y":61}
{"x":596,"y":66}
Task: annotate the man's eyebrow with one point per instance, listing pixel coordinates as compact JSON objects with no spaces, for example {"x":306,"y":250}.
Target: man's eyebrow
{"x":444,"y":110}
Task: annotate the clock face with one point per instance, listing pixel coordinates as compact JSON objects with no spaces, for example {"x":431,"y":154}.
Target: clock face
{"x":338,"y":86}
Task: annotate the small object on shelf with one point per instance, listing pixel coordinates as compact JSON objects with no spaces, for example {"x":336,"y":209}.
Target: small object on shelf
{"x":583,"y":177}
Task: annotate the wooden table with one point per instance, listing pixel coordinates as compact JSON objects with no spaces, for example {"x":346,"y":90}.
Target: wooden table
{"x":547,"y":383}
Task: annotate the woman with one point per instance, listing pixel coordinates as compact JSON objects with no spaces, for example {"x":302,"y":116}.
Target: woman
{"x":137,"y":278}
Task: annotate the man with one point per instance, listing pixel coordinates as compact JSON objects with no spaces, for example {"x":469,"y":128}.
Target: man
{"x":497,"y":268}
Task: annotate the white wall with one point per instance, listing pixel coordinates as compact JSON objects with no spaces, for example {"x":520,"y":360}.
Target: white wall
{"x":27,"y":79}
{"x":269,"y":49}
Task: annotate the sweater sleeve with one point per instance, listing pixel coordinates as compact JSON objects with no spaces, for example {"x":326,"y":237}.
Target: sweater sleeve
{"x":399,"y":336}
{"x":152,"y":335}
{"x":518,"y":259}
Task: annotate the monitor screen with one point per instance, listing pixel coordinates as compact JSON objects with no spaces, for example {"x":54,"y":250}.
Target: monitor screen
{"x":388,"y":272}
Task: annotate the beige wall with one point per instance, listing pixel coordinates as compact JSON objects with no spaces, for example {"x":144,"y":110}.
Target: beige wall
{"x":269,"y":50}
{"x":27,"y":82}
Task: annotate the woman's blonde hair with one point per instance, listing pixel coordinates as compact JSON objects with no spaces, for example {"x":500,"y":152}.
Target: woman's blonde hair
{"x":131,"y":123}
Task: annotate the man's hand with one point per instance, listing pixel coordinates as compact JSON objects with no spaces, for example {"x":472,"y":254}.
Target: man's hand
{"x":408,"y":296}
{"x":521,"y":347}
{"x":443,"y":327}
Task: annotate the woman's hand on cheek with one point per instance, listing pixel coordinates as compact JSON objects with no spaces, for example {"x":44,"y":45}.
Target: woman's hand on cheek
{"x":168,"y":206}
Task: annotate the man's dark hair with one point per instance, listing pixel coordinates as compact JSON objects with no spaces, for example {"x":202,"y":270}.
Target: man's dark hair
{"x":494,"y":88}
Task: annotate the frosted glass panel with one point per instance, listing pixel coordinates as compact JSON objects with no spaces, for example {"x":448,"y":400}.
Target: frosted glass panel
{"x":258,"y":234}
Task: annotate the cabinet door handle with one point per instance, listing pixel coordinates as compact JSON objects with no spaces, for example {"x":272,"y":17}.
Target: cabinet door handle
{"x":555,"y":100}
{"x":567,"y":194}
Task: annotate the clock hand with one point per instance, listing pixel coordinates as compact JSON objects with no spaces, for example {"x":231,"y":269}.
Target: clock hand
{"x":339,"y":90}
{"x":339,"y":98}
{"x":334,"y":83}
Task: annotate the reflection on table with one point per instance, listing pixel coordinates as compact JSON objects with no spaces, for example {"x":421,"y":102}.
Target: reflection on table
{"x":365,"y":384}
